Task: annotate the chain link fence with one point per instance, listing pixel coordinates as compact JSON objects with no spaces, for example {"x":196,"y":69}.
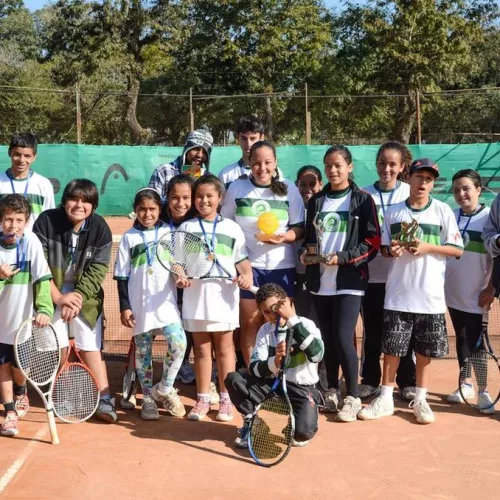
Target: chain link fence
{"x":106,"y":118}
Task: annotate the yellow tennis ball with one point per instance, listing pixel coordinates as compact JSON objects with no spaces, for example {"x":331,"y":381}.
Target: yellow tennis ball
{"x":268,"y":223}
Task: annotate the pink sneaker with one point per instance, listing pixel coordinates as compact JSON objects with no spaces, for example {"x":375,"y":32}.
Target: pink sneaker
{"x":225,"y":410}
{"x":9,"y":426}
{"x":200,"y":410}
{"x":22,"y":405}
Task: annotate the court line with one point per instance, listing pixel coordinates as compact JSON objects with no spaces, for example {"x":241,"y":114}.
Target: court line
{"x":18,"y":463}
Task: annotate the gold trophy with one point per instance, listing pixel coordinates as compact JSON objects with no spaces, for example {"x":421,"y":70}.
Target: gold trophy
{"x":313,"y":250}
{"x":268,"y":224}
{"x":407,"y":236}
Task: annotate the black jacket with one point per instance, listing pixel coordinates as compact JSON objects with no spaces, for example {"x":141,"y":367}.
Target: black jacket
{"x":362,"y":240}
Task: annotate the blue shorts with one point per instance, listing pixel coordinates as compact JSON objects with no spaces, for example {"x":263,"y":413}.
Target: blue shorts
{"x":282,"y":277}
{"x":7,"y":354}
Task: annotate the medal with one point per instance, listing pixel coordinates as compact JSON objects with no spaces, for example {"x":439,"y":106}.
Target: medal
{"x":150,"y":271}
{"x":150,"y":249}
{"x":210,"y":256}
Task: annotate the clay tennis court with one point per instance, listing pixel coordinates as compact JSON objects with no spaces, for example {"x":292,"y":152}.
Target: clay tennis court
{"x":455,"y":458}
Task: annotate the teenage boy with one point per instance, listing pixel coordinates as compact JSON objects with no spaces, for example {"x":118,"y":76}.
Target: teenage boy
{"x":21,"y":179}
{"x":418,"y":235}
{"x":249,"y":131}
{"x":194,"y":160}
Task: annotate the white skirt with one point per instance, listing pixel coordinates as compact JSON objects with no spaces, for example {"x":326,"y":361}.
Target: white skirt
{"x":202,"y":325}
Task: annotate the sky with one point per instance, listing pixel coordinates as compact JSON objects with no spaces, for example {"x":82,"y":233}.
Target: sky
{"x":36,"y":4}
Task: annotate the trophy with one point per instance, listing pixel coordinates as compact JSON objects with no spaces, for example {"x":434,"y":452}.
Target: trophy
{"x":268,"y":224}
{"x":407,"y":236}
{"x":313,"y":250}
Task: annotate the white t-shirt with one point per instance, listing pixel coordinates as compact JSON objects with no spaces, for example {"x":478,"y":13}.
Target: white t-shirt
{"x":16,"y":293}
{"x":151,"y":288}
{"x":232,"y":172}
{"x":39,"y":192}
{"x":217,"y":299}
{"x":468,"y":276}
{"x":245,"y":201}
{"x":416,"y":283}
{"x":379,"y":266}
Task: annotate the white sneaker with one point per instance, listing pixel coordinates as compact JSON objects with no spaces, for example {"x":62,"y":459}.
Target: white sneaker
{"x":350,"y":409}
{"x":128,"y":405}
{"x":300,"y":444}
{"x":408,"y":393}
{"x":378,"y":408}
{"x":485,"y":404}
{"x":170,"y":400}
{"x":214,"y":395}
{"x":365,"y":390}
{"x":422,"y":411}
{"x":456,"y":397}
{"x":333,"y":401}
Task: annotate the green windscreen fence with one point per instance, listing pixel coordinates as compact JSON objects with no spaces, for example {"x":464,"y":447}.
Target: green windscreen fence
{"x":119,"y":171}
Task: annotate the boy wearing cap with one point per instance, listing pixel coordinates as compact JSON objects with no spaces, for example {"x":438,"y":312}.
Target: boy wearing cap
{"x":194,"y":160}
{"x":418,"y":235}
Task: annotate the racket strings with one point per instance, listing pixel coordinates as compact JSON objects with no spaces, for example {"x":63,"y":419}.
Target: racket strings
{"x":482,"y":368}
{"x":271,"y":431}
{"x":38,"y":353}
{"x":75,"y":394}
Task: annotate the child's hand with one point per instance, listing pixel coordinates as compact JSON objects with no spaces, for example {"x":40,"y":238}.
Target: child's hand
{"x":396,"y":250}
{"x":72,"y":299}
{"x":276,"y":239}
{"x":245,"y":281}
{"x":42,"y":319}
{"x":333,"y":261}
{"x":127,"y":318}
{"x":182,"y":282}
{"x":284,"y":308}
{"x":280,"y":353}
{"x":68,"y":313}
{"x":7,"y":272}
{"x":421,"y":249}
{"x":487,"y":296}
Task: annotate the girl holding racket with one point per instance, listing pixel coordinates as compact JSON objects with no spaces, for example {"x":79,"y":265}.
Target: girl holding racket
{"x":466,"y":303}
{"x":273,"y":261}
{"x":148,"y":301}
{"x":350,"y":237}
{"x":210,"y":306}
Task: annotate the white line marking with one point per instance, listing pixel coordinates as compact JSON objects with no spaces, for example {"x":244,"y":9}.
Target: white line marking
{"x":17,"y":465}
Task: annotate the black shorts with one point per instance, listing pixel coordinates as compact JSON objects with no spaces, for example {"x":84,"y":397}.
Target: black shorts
{"x":425,"y":332}
{"x":7,"y":354}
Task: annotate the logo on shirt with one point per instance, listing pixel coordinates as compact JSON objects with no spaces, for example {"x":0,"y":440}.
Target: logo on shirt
{"x":331,"y":222}
{"x":260,"y":206}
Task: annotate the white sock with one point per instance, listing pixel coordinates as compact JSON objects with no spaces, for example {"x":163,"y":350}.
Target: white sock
{"x":386,"y":392}
{"x":420,"y":393}
{"x":225,"y":396}
{"x":164,"y":389}
{"x":203,"y":397}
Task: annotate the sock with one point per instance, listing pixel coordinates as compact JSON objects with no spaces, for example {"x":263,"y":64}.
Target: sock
{"x":9,"y":407}
{"x":420,"y":393}
{"x":19,"y":390}
{"x":203,"y":397}
{"x":164,"y":389}
{"x":225,"y":396}
{"x":107,"y":397}
{"x":386,"y":392}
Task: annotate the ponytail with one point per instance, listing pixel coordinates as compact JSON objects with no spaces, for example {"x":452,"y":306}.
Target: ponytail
{"x":278,"y":187}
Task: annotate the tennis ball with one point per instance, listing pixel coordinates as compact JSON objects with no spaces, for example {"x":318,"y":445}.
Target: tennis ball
{"x":268,"y":223}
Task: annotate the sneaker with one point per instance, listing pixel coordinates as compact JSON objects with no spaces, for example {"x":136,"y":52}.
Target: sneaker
{"x":200,"y":410}
{"x":22,"y":405}
{"x":485,"y":404}
{"x":378,"y":408}
{"x":456,"y":397}
{"x":365,"y":390}
{"x":170,"y":401}
{"x":149,"y":410}
{"x":300,"y":444}
{"x":214,"y":395}
{"x":408,"y":393}
{"x":186,"y":374}
{"x":106,"y":410}
{"x":422,"y":411}
{"x":350,"y":409}
{"x":128,"y":404}
{"x":333,"y":401}
{"x":242,"y":440}
{"x":225,"y":413}
{"x":9,"y":426}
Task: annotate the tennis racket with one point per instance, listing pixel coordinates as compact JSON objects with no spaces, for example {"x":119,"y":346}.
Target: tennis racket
{"x":272,"y":425}
{"x":37,"y":353}
{"x":483,"y":369}
{"x":130,"y":375}
{"x":75,"y":393}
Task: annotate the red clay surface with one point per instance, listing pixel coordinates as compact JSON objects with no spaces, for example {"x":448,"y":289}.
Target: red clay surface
{"x":454,"y":458}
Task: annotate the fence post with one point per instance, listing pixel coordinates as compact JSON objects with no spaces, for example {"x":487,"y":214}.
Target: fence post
{"x":419,"y":123}
{"x":191,"y":113}
{"x":78,"y":114}
{"x":308,"y":118}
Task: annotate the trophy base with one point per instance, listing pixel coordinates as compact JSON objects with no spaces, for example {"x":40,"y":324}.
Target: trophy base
{"x":408,"y":244}
{"x":265,"y":237}
{"x":317,"y":259}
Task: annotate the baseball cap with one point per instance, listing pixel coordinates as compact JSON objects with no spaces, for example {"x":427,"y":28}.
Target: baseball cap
{"x":424,"y":164}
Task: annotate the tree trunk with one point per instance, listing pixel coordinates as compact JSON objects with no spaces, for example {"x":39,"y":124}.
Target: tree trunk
{"x":140,"y":135}
{"x":269,"y":118}
{"x":404,"y":119}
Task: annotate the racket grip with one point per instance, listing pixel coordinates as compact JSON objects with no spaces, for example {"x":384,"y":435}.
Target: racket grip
{"x":52,"y":426}
{"x":254,"y":289}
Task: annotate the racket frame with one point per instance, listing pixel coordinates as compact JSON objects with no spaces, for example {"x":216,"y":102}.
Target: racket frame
{"x":130,"y":375}
{"x":46,"y":396}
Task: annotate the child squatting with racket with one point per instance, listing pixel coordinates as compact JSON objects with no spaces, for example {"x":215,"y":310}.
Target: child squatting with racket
{"x":247,"y":390}
{"x":24,"y":290}
{"x":148,"y":301}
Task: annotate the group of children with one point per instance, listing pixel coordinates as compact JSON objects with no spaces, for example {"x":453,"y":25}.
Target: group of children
{"x":400,"y":282}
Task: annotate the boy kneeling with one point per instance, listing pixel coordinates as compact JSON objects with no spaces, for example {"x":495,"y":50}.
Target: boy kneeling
{"x":248,"y":390}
